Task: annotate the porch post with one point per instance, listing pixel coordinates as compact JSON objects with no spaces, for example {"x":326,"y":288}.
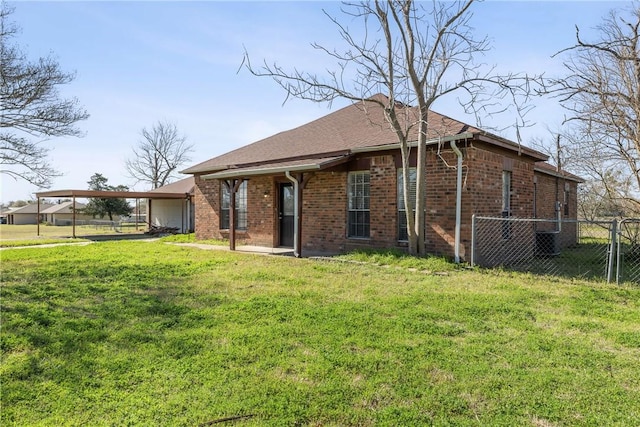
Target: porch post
{"x":232,"y":185}
{"x":73,"y":218}
{"x":300,"y":181}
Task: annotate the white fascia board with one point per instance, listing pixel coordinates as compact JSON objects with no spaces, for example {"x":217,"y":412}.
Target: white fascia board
{"x":263,"y":171}
{"x":396,"y":145}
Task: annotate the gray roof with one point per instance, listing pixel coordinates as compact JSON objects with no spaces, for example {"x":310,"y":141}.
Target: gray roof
{"x":62,"y":208}
{"x":31,"y":208}
{"x":183,"y":186}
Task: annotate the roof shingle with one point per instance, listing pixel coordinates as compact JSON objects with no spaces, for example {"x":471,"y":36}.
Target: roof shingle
{"x":358,"y":126}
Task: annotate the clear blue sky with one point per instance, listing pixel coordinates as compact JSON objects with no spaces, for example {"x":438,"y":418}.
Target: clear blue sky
{"x":140,"y":62}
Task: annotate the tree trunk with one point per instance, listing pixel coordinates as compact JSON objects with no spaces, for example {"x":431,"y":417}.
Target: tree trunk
{"x":421,"y":172}
{"x":408,"y":208}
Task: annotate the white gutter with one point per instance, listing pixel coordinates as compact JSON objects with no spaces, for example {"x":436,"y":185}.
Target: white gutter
{"x":412,"y":144}
{"x":458,"y":201}
{"x":313,"y":166}
{"x":296,"y":184}
{"x":264,"y":171}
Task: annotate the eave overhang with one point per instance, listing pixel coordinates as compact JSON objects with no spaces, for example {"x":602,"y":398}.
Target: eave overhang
{"x":413,"y":144}
{"x":306,"y":165}
{"x":558,"y":174}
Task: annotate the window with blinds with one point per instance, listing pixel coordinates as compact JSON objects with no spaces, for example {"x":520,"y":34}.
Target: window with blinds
{"x":241,"y":207}
{"x":358,"y":204}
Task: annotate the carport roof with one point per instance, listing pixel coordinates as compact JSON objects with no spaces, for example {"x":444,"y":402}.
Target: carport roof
{"x":112,"y":194}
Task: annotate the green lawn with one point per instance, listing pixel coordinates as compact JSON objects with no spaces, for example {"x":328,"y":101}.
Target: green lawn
{"x":147,"y":333}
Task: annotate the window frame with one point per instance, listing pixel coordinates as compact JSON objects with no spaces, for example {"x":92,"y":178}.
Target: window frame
{"x":358,"y":205}
{"x":507,"y":193}
{"x":241,"y":221}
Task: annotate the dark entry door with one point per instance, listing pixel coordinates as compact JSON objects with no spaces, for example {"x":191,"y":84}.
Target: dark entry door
{"x":286,"y":215}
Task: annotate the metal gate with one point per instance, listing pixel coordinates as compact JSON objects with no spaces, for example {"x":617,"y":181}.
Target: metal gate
{"x":628,"y":251}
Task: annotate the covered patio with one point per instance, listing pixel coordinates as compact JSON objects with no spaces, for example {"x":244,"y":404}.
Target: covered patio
{"x":85,"y":194}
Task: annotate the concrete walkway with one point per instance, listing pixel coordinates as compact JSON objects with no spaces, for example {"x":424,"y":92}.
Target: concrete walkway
{"x":242,"y":248}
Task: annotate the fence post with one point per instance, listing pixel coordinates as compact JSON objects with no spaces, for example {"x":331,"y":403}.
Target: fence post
{"x":619,"y":254}
{"x":473,"y":239}
{"x":612,"y":250}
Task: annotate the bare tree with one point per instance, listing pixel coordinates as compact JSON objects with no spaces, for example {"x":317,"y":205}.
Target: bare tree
{"x":415,"y":53}
{"x":601,"y":92}
{"x":31,"y":108}
{"x":159,"y":154}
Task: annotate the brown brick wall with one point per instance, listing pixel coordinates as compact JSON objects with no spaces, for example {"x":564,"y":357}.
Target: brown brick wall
{"x":481,"y":193}
{"x":324,"y":220}
{"x":384,"y":201}
{"x":207,"y":208}
{"x":261,"y":205}
{"x":484,"y":183}
{"x":440,"y":214}
{"x":548,"y":190}
{"x":325,"y":208}
{"x":324,"y":216}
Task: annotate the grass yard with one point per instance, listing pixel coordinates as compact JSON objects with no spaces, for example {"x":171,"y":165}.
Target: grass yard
{"x":147,"y":333}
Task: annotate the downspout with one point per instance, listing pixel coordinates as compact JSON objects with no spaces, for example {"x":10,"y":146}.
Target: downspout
{"x":458,"y":201}
{"x":296,"y":184}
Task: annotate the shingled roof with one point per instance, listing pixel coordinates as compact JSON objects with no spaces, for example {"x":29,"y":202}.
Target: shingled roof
{"x":62,"y":208}
{"x":183,"y":186}
{"x":355,"y":128}
{"x":548,"y":169}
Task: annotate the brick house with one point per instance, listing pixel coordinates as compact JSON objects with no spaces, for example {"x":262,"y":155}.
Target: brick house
{"x":332,"y":185}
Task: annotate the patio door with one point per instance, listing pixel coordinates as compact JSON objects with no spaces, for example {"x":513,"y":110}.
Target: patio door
{"x":286,"y":214}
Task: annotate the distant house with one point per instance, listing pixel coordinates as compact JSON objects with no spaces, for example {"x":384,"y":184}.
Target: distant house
{"x":3,"y":214}
{"x":62,"y":213}
{"x":334,"y":184}
{"x":27,"y":214}
{"x":174,"y":213}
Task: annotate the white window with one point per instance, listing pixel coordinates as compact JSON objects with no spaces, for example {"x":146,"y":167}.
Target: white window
{"x":506,"y":204}
{"x":506,"y":193}
{"x":241,"y":207}
{"x":358,"y":192}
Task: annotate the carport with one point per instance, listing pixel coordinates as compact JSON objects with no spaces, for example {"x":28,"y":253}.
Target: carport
{"x":85,"y":194}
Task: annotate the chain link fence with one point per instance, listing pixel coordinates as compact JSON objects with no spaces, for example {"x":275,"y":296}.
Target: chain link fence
{"x":570,"y":248}
{"x":628,"y":251}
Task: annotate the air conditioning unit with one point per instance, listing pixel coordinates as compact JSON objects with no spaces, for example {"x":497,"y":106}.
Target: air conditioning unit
{"x":547,"y":243}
